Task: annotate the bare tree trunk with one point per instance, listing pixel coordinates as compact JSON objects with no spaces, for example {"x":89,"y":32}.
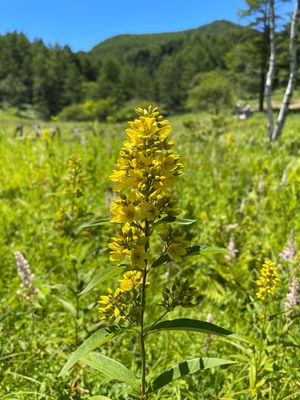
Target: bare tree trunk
{"x":293,"y":74}
{"x":263,"y":60}
{"x":271,"y":71}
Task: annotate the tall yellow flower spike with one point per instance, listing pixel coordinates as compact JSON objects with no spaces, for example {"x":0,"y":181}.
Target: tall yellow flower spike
{"x":268,"y":280}
{"x":145,"y":173}
{"x":146,"y":170}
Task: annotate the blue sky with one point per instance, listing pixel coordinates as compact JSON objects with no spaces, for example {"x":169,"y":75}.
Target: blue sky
{"x":83,"y":24}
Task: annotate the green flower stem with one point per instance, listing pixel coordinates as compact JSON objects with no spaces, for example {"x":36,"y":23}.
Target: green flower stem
{"x":77,"y":312}
{"x":76,"y":325}
{"x":143,"y":304}
{"x":32,"y":332}
{"x":142,"y":336}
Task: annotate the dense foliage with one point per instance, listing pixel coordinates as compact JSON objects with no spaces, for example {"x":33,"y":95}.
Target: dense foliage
{"x":164,"y":68}
{"x":55,"y":197}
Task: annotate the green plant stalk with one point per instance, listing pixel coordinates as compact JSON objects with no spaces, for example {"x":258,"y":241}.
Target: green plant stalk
{"x":258,"y":359}
{"x":73,"y":207}
{"x":143,"y":305}
{"x":32,"y":332}
{"x":75,"y":268}
{"x":75,"y":291}
{"x":77,"y":305}
{"x":142,"y":336}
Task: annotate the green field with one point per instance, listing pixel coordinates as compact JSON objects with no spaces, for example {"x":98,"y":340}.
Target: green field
{"x":244,"y":194}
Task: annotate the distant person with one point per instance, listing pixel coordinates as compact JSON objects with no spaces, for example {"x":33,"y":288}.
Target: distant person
{"x":243,"y":112}
{"x":37,"y":130}
{"x":19,"y":131}
{"x":238,"y":109}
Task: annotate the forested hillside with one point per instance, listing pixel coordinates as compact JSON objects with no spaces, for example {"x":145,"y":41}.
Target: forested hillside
{"x":170,"y":69}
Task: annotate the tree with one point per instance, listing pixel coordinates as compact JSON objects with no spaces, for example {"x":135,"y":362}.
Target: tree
{"x":274,"y":131}
{"x":108,"y":83}
{"x":293,"y":73}
{"x":40,"y":78}
{"x":259,"y":11}
{"x":173,"y":83}
{"x":244,"y":67}
{"x":15,"y":69}
{"x":72,"y":79}
{"x":128,"y":83}
{"x":212,"y":92}
{"x":271,"y":70}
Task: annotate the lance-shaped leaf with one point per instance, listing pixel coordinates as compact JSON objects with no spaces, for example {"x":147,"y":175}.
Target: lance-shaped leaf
{"x":161,"y":260}
{"x":196,"y":250}
{"x":68,"y":306}
{"x":102,"y":277}
{"x":91,"y":224}
{"x":191,"y":251}
{"x":111,"y":368}
{"x":99,"y":397}
{"x":186,"y":368}
{"x":187,"y":324}
{"x":97,"y":339}
{"x":175,"y":220}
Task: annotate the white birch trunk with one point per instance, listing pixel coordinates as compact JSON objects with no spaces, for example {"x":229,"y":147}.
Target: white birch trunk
{"x":271,"y":71}
{"x":293,"y":74}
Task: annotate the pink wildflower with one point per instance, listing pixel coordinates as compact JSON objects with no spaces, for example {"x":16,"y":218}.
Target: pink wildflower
{"x":26,"y":277}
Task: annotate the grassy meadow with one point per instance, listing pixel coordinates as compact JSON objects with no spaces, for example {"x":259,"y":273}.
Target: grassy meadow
{"x":244,"y":194}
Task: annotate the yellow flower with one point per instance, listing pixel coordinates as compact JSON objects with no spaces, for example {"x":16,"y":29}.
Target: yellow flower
{"x":141,"y":161}
{"x":204,"y":216}
{"x":46,"y":134}
{"x":118,"y":252}
{"x":121,"y":244}
{"x":130,"y":231}
{"x":114,"y":307}
{"x":131,"y":280}
{"x":117,"y":176}
{"x":123,"y":213}
{"x":268,"y":280}
{"x":229,"y":138}
{"x":132,"y":178}
{"x":123,"y":164}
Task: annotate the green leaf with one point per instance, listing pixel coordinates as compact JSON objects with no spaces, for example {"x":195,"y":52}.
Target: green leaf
{"x":161,"y":260}
{"x":191,"y":251}
{"x":186,"y":368}
{"x":91,"y":224}
{"x":102,"y":277}
{"x":196,"y":250}
{"x":99,"y":398}
{"x":111,"y":368}
{"x":175,"y":220}
{"x":187,"y":324}
{"x":98,"y":338}
{"x":68,"y":306}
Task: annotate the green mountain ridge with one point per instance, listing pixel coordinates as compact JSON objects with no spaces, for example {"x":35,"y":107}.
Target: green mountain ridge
{"x":117,"y":46}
